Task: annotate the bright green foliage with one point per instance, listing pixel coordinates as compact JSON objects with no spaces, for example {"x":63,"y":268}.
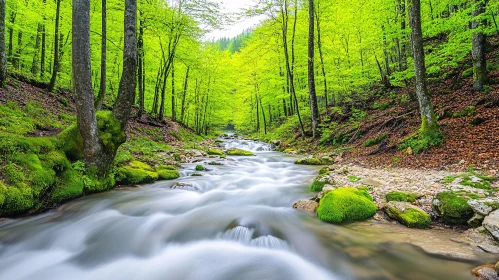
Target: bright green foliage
{"x":453,"y":207}
{"x":346,"y":205}
{"x":375,"y":141}
{"x":199,"y":167}
{"x":111,"y":134}
{"x":310,"y":161}
{"x":401,"y":196}
{"x":317,"y":186}
{"x":15,"y":200}
{"x":324,"y":171}
{"x":70,"y":186}
{"x":238,"y":152}
{"x":166,"y":172}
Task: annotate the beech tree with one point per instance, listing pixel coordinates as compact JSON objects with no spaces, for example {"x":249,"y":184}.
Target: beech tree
{"x":429,"y":121}
{"x":99,"y":153}
{"x":311,"y":68}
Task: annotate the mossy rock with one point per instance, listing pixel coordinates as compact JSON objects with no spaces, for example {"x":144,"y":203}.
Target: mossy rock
{"x":214,"y":152}
{"x":70,"y":186}
{"x":166,"y":172}
{"x":401,"y":196}
{"x":453,"y":207}
{"x":199,"y":167}
{"x":239,"y":152}
{"x":346,"y":205}
{"x":310,"y":161}
{"x":408,"y":214}
{"x":324,"y":171}
{"x":196,"y":175}
{"x":136,"y":173}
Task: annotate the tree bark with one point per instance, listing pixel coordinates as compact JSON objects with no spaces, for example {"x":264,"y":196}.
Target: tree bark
{"x":186,"y":84}
{"x":426,"y":109}
{"x":55,"y":69}
{"x":174,"y":115}
{"x":103,"y":58}
{"x":478,"y":50}
{"x":141,"y":76}
{"x":126,"y":93}
{"x":3,"y":58}
{"x":311,"y":69}
{"x":44,"y":38}
{"x":321,"y":55}
{"x":34,"y":65}
{"x":82,"y":82}
{"x":12,"y":20}
{"x":17,"y":56}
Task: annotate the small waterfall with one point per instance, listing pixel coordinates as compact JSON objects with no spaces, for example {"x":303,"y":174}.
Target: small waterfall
{"x":254,"y":146}
{"x":244,"y":236}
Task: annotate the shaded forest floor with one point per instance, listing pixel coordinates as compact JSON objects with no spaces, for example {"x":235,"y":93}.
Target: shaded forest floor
{"x":468,"y":119}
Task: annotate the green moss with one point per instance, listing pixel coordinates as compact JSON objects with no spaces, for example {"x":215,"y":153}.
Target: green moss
{"x":310,"y":161}
{"x":425,"y":138}
{"x":324,"y":171}
{"x":239,"y":152}
{"x":401,"y":196}
{"x":56,"y":161}
{"x":136,"y":173}
{"x":449,"y":179}
{"x":467,"y":73}
{"x":199,"y":167}
{"x":15,"y":200}
{"x":345,"y":205}
{"x":166,"y":172}
{"x":453,"y":207}
{"x":214,"y":152}
{"x":317,"y":186}
{"x":71,"y":143}
{"x":111,"y":134}
{"x":353,"y":178}
{"x":467,"y":112}
{"x":69,"y":186}
{"x":410,"y":216}
{"x":375,"y":141}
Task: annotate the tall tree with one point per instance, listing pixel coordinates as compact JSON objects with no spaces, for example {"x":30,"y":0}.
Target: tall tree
{"x":478,"y":46}
{"x":103,"y":58}
{"x":429,"y":120}
{"x":55,"y":68}
{"x":311,"y":69}
{"x":3,"y":57}
{"x":44,"y":39}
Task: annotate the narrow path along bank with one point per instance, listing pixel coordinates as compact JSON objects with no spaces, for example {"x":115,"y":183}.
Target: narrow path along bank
{"x":234,"y":221}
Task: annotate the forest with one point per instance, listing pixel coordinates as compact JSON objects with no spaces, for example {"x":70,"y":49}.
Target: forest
{"x":129,"y":135}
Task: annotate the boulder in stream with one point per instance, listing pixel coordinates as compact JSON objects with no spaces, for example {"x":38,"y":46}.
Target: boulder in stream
{"x":485,"y":272}
{"x":453,"y":207}
{"x":306,"y":205}
{"x":346,"y":205}
{"x":491,"y":224}
{"x":408,"y":214}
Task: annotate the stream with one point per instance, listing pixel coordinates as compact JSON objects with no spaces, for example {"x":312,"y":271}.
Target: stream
{"x":234,"y":222}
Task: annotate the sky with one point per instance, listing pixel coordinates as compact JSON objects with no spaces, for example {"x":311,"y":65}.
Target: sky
{"x":233,"y":6}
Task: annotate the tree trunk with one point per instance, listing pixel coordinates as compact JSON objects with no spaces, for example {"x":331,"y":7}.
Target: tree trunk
{"x":17,"y":57}
{"x":34,"y":65}
{"x":321,"y":55}
{"x":311,"y":70}
{"x":3,"y":58}
{"x":402,"y":47}
{"x":44,"y":39}
{"x":55,"y":69}
{"x":11,"y":35}
{"x":103,"y":59}
{"x":126,"y":92}
{"x":141,"y":76}
{"x":82,"y":82}
{"x":186,"y":84}
{"x":478,"y":47}
{"x":264,"y":118}
{"x":174,"y":115}
{"x":426,"y":109}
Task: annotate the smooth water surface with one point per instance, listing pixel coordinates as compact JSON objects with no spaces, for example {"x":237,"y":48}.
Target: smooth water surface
{"x":235,"y":222}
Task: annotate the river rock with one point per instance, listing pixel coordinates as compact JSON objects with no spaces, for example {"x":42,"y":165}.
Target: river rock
{"x":484,"y":206}
{"x":407,"y":214}
{"x":485,"y":272}
{"x":184,"y":186}
{"x":491,"y":224}
{"x":476,"y":220}
{"x":306,"y":205}
{"x":372,"y":182}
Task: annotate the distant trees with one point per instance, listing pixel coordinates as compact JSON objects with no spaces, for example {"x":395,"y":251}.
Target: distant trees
{"x":55,"y":65}
{"x":3,"y":57}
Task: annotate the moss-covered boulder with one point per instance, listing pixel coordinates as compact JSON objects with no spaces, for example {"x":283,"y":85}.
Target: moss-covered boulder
{"x":167,"y":172}
{"x":407,"y":214}
{"x":15,"y":200}
{"x":215,"y":152}
{"x":453,"y":207}
{"x":239,"y":152}
{"x":199,"y":167}
{"x":401,"y":196}
{"x":310,"y":161}
{"x":136,"y":173}
{"x":346,"y":205}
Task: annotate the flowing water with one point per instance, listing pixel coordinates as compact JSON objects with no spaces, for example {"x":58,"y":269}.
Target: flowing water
{"x":235,"y":222}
